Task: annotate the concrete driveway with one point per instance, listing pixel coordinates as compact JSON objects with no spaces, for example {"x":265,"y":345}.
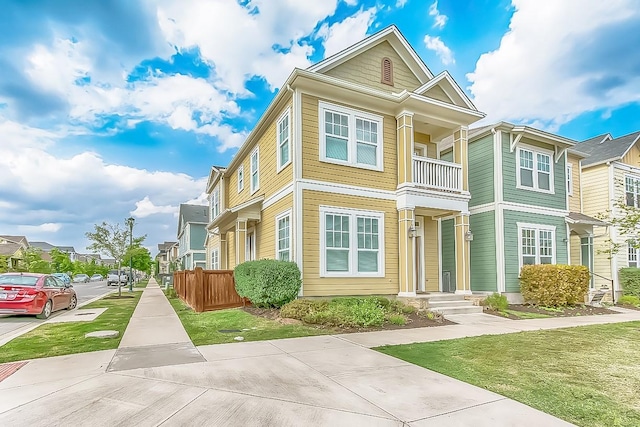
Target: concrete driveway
{"x":321,"y":380}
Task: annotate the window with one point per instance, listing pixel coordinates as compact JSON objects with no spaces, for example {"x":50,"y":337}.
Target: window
{"x":352,"y":242}
{"x":570,"y":179}
{"x":632,"y":255}
{"x":535,"y":170}
{"x":215,"y":259}
{"x":283,"y":241}
{"x":240,"y":178}
{"x":255,"y":170}
{"x":215,"y":202}
{"x":632,"y":191}
{"x":283,"y":138}
{"x":350,"y":137}
{"x":386,"y":71}
{"x":537,"y":244}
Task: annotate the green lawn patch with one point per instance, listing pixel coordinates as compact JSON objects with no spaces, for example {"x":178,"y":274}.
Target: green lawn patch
{"x":204,"y":328}
{"x":57,"y":339}
{"x":142,"y":283}
{"x":586,"y":375}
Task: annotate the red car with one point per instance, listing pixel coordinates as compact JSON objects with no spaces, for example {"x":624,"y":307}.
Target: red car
{"x":35,"y":293}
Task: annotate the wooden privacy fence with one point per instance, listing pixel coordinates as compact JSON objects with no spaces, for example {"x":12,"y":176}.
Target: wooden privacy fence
{"x":207,"y":290}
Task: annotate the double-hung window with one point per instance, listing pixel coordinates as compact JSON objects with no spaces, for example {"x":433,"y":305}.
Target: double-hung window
{"x":284,"y":141}
{"x":215,"y":259}
{"x":215,"y":203}
{"x":240,"y":178}
{"x":632,"y":252}
{"x":535,"y":170}
{"x":352,"y":242}
{"x":632,"y":190}
{"x":537,"y":244}
{"x":255,"y":170}
{"x":350,"y":137}
{"x":283,"y":240}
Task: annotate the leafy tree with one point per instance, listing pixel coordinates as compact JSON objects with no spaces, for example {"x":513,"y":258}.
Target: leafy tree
{"x":4,"y":263}
{"x":625,"y":216}
{"x":32,"y":261}
{"x":140,"y":259}
{"x":60,"y":261}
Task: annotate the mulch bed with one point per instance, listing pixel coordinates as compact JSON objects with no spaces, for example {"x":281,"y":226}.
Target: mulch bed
{"x":578,"y":310}
{"x":414,"y":320}
{"x":630,"y":307}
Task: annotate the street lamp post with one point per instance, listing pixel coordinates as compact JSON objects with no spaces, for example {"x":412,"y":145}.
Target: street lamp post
{"x":130,"y":222}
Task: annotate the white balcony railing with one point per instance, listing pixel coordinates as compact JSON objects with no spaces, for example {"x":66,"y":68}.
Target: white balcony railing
{"x":437,"y":174}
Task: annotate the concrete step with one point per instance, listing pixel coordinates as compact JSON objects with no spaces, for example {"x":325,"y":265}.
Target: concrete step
{"x":465,"y":309}
{"x":441,"y":297}
{"x":443,"y":304}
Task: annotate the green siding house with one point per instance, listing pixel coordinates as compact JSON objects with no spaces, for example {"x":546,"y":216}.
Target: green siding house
{"x":192,"y":220}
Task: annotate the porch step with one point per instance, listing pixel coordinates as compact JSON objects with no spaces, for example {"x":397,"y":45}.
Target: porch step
{"x":441,"y":297}
{"x":433,"y":304}
{"x":460,"y":309}
{"x":443,"y":303}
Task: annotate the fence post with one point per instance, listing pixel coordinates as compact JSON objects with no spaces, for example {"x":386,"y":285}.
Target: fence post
{"x":199,"y":284}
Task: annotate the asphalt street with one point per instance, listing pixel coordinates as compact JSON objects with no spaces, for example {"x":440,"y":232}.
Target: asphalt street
{"x":85,"y":291}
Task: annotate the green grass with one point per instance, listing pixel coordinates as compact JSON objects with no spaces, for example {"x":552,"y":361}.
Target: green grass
{"x":142,"y":283}
{"x":586,"y":375}
{"x":203,"y":327}
{"x":525,"y":315}
{"x":57,"y":339}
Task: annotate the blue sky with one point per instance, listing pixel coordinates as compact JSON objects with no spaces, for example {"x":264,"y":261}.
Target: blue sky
{"x":119,"y":107}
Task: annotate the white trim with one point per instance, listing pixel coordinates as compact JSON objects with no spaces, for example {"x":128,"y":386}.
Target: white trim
{"x":298,"y":240}
{"x":421,"y":146}
{"x":537,"y":228}
{"x":256,"y":152}
{"x":297,"y":216}
{"x":519,"y":207}
{"x":446,"y":77}
{"x":280,"y":216}
{"x":580,"y":184}
{"x":353,"y":241}
{"x":501,"y":279}
{"x":420,"y":233}
{"x":278,"y":195}
{"x":240,"y":181}
{"x":285,"y":115}
{"x":251,"y":231}
{"x":217,"y":257}
{"x":485,"y":207}
{"x":569,"y":180}
{"x":498,"y":181}
{"x":440,"y":254}
{"x":349,"y":190}
{"x":534,"y":172}
{"x":352,"y":115}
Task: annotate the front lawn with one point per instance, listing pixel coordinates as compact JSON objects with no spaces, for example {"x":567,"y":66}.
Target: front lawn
{"x":56,"y":339}
{"x":586,"y":375}
{"x":204,"y":328}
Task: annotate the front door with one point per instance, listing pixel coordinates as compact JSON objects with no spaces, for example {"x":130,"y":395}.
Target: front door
{"x":419,"y":255}
{"x":586,"y":254}
{"x":251,"y":246}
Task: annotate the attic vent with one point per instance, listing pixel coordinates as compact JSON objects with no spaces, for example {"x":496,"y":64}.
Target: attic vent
{"x":387,"y":72}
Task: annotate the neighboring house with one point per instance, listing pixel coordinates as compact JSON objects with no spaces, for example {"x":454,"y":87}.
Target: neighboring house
{"x":342,"y":175}
{"x":524,"y":206}
{"x":46,"y":249}
{"x":611,"y":174}
{"x":163,"y":257}
{"x":73,"y":255}
{"x":192,"y":220}
{"x":13,"y":248}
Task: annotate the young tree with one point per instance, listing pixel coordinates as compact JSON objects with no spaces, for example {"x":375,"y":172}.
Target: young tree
{"x":140,"y":259}
{"x":625,"y":217}
{"x":4,"y":263}
{"x":32,"y":262}
{"x":60,"y":261}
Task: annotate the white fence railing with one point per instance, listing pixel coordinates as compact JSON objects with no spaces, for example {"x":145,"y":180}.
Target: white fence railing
{"x":437,"y":174}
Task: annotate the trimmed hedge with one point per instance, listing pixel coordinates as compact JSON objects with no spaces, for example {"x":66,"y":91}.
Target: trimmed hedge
{"x":630,"y":281}
{"x":554,"y":285}
{"x":268,"y":282}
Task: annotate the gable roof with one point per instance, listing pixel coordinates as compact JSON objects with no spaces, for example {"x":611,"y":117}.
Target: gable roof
{"x":66,"y":248}
{"x":603,"y":148}
{"x":46,"y":247}
{"x":390,"y":34}
{"x":214,"y":174}
{"x":9,"y":248}
{"x":450,"y":88}
{"x":20,"y":240}
{"x":197,"y":214}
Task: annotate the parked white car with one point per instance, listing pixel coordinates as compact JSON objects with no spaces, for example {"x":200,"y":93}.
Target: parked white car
{"x":114,"y":277}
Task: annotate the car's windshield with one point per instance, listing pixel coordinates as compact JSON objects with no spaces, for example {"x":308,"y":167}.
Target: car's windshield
{"x":113,"y":272}
{"x":10,"y":279}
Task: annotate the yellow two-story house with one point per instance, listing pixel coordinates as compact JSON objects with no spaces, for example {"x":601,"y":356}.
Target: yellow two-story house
{"x":342,"y":175}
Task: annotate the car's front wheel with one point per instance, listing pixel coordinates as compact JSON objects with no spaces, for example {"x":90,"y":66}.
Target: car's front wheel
{"x":46,"y":310}
{"x":73,"y":303}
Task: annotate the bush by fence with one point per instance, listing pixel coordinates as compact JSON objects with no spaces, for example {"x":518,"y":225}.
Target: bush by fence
{"x":630,"y":281}
{"x":554,"y":285}
{"x":268,"y":282}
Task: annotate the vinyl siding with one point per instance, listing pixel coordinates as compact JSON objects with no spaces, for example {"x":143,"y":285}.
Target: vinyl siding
{"x":197,"y":235}
{"x":481,"y":174}
{"x":366,"y":69}
{"x":313,"y":168}
{"x":574,"y":257}
{"x":212,"y":243}
{"x":595,"y":199}
{"x":432,"y":269}
{"x":266,"y":228}
{"x":447,"y":157}
{"x":231,"y":250}
{"x":530,"y":197}
{"x":436,"y":92}
{"x":199,"y":256}
{"x":483,"y":252}
{"x":512,"y":242}
{"x":423,"y":138}
{"x":449,"y":250}
{"x":314,"y":285}
{"x":632,"y":158}
{"x":574,"y":198}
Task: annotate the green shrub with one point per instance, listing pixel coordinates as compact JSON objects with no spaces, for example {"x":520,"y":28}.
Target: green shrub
{"x":629,"y":300}
{"x":299,"y":308}
{"x":341,"y":312}
{"x":630,"y":281}
{"x":397,"y":319}
{"x":554,"y":285}
{"x":496,"y":302}
{"x":268,"y":282}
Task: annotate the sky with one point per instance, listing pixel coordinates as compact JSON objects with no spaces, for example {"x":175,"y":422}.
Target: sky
{"x":118,"y":108}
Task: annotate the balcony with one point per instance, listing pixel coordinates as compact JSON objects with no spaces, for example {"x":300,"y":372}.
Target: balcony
{"x":437,"y":174}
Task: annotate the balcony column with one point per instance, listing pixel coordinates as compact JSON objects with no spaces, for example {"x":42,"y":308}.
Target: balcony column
{"x":241,"y":240}
{"x":404,"y":122}
{"x":406,"y":258}
{"x":461,"y":154}
{"x":463,"y":271}
{"x":222,"y":252}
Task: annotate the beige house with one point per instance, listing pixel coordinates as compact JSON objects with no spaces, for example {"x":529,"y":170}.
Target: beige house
{"x":13,"y":248}
{"x":342,"y":174}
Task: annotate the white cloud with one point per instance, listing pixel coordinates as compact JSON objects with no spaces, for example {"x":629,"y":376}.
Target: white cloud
{"x":341,"y":35}
{"x":48,"y":227}
{"x":145,"y":208}
{"x":439,"y":20}
{"x":400,"y":3}
{"x":558,"y":61}
{"x":441,"y":50}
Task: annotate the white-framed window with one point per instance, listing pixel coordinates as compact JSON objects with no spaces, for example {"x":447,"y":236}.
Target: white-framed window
{"x":632,"y":190}
{"x":215,"y":259}
{"x":569,"y":179}
{"x":283,"y":137}
{"x":350,"y":137}
{"x":283,"y":236}
{"x":215,"y":202}
{"x":632,"y":255}
{"x":255,"y":170}
{"x":351,"y":242}
{"x":240,"y":178}
{"x":534,"y":170}
{"x":536,"y":244}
